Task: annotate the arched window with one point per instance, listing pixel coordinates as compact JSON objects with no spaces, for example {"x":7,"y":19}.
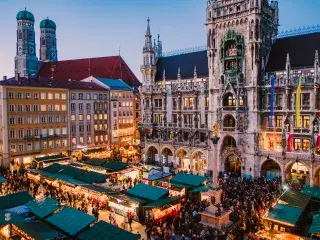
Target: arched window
{"x":241,"y":102}
{"x":229,"y":122}
{"x":229,"y":100}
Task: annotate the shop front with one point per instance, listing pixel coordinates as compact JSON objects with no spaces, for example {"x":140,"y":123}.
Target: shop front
{"x":124,"y":205}
{"x":96,"y":153}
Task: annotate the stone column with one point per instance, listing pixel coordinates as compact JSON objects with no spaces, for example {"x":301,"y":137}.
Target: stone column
{"x":213,"y":159}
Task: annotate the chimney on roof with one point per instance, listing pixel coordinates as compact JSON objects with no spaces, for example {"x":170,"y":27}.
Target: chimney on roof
{"x":4,"y":77}
{"x":17,"y":76}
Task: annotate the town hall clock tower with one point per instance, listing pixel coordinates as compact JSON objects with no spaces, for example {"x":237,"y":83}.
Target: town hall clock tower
{"x":240,"y":34}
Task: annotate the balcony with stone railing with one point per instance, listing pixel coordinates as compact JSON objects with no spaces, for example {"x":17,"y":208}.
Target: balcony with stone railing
{"x":282,"y":81}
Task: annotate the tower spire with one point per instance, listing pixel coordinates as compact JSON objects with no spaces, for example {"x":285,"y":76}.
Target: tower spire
{"x":148,"y":38}
{"x":148,"y":33}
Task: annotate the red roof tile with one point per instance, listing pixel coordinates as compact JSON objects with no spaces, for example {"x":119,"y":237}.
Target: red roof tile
{"x":78,"y":69}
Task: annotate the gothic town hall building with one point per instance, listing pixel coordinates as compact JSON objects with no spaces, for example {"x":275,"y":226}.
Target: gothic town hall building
{"x":210,"y":110}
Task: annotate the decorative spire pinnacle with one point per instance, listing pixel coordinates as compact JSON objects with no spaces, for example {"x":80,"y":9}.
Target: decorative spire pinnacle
{"x":316,"y":57}
{"x":288,"y":67}
{"x":164,"y":75}
{"x":195,"y":75}
{"x":316,"y":67}
{"x":148,"y":33}
{"x":179,"y":75}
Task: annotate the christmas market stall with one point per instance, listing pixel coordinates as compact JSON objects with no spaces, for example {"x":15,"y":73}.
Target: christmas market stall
{"x":44,"y":161}
{"x":96,"y":153}
{"x":314,"y":230}
{"x":70,"y":221}
{"x":288,"y":213}
{"x":150,"y":176}
{"x":159,"y":205}
{"x":104,"y":230}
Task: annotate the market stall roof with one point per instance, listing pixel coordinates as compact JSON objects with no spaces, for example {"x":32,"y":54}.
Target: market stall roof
{"x":96,"y":162}
{"x":162,"y":201}
{"x":114,"y":166}
{"x":62,"y":177}
{"x":71,"y":220}
{"x":156,"y":175}
{"x":315,"y":226}
{"x":147,"y":192}
{"x":14,"y":200}
{"x":313,"y":192}
{"x":188,"y":179}
{"x":99,"y":189}
{"x":285,"y":214}
{"x":39,"y":230}
{"x":295,"y":199}
{"x":93,"y":177}
{"x":105,"y":231}
{"x":174,"y":184}
{"x":2,"y":180}
{"x":203,"y":188}
{"x":64,"y":169}
{"x":8,"y":218}
{"x":50,"y":158}
{"x":43,"y":208}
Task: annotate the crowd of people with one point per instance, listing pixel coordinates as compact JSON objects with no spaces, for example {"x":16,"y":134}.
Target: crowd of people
{"x":248,"y":199}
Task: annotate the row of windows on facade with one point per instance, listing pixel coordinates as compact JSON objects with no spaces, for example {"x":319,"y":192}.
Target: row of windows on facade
{"x":121,"y":94}
{"x":37,"y":119}
{"x":97,"y":139}
{"x":188,"y":102}
{"x":36,"y":145}
{"x":36,"y":132}
{"x":188,"y":119}
{"x":89,"y":96}
{"x":35,"y":95}
{"x":278,"y":99}
{"x":275,"y":143}
{"x":43,"y":107}
{"x":122,"y":104}
{"x":122,"y":114}
{"x":96,"y":106}
{"x":88,"y":117}
{"x":96,"y":127}
{"x":279,"y":121}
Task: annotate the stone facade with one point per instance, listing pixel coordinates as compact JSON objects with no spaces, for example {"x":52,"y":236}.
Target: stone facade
{"x":254,"y":137}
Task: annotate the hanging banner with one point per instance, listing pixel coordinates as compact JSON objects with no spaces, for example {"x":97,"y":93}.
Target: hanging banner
{"x":290,"y":143}
{"x":272,"y":102}
{"x":298,"y":100}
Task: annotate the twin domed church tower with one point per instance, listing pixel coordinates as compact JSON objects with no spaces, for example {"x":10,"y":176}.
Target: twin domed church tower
{"x":26,"y":61}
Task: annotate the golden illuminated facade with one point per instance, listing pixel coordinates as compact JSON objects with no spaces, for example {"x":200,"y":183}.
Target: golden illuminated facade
{"x":34,"y":122}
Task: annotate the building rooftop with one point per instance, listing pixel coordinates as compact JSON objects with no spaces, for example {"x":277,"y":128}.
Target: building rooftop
{"x":50,"y":83}
{"x":285,"y":214}
{"x":115,"y":84}
{"x":300,"y":48}
{"x":186,"y":62}
{"x":14,"y":200}
{"x":113,"y":67}
{"x":188,"y":179}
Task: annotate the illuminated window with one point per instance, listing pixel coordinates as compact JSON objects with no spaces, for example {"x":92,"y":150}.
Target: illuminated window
{"x":43,"y":95}
{"x":50,"y":96}
{"x":81,"y":140}
{"x":297,"y":144}
{"x":57,"y":96}
{"x":207,"y":102}
{"x":95,"y":116}
{"x":43,"y":108}
{"x":241,"y":101}
{"x":63,"y":96}
{"x":231,"y":101}
{"x":88,"y":117}
{"x":57,"y":108}
{"x":89,"y":140}
{"x":63,"y":107}
{"x":105,"y":116}
{"x":81,"y":117}
{"x":74,"y":141}
{"x":73,"y":117}
{"x":279,"y":121}
{"x":305,"y":144}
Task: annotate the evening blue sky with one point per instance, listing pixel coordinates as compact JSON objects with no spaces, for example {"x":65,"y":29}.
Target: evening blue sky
{"x":99,"y":27}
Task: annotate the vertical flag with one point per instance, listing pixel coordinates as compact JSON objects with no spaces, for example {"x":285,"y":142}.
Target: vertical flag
{"x":298,"y":99}
{"x":272,"y":102}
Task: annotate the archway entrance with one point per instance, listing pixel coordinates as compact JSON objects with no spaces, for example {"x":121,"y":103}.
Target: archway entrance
{"x":182,"y":159}
{"x":167,"y":156}
{"x":297,"y":172}
{"x":199,"y":162}
{"x":152,"y":155}
{"x":270,"y":169}
{"x":232,"y":165}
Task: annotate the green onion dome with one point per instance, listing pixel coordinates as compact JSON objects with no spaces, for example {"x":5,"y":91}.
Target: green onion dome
{"x":47,"y":23}
{"x":25,"y":15}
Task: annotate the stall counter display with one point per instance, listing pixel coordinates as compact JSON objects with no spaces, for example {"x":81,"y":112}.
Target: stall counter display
{"x":161,"y":215}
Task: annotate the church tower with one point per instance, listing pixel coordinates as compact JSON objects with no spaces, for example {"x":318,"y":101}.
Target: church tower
{"x":26,"y":61}
{"x":148,"y":71}
{"x":48,"y":41}
{"x":239,"y":40}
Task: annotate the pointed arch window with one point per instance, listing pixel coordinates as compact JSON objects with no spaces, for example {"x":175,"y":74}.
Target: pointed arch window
{"x":229,"y":100}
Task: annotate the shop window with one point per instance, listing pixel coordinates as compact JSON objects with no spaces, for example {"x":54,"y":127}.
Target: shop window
{"x":278,"y":121}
